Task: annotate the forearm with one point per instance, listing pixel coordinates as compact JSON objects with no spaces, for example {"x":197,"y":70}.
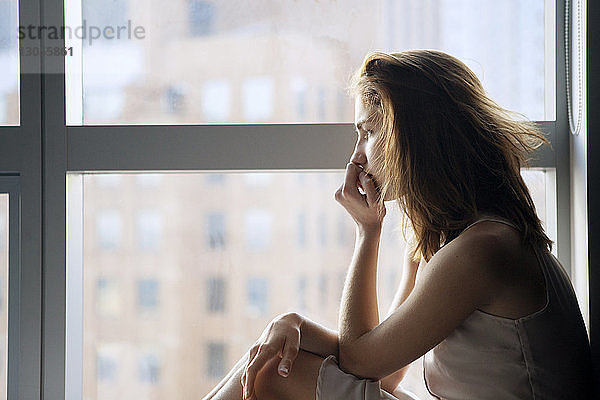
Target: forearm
{"x":316,"y":338}
{"x":359,"y":312}
{"x":407,"y":285}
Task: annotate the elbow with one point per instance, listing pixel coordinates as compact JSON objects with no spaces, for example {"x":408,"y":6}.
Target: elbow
{"x":352,"y":363}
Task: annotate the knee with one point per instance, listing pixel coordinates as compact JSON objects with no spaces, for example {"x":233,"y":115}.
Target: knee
{"x":269,"y":385}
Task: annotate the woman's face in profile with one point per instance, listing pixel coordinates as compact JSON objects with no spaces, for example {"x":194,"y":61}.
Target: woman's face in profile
{"x":366,"y":135}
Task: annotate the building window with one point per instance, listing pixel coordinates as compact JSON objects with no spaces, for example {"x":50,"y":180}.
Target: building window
{"x":215,"y":230}
{"x":342,"y":229}
{"x":299,"y":87}
{"x":6,"y":24}
{"x":215,"y":178}
{"x":108,"y":229}
{"x":323,"y":290}
{"x":106,"y":364}
{"x":258,"y":179}
{"x":322,"y":226}
{"x":257,"y":293}
{"x":216,"y":295}
{"x":302,"y":283}
{"x":104,"y":103}
{"x":201,"y":16}
{"x":341,"y":105}
{"x":107,"y":297}
{"x":173,"y":98}
{"x":149,"y":229}
{"x":257,"y":96}
{"x":147,"y":294}
{"x":215,"y":360}
{"x":301,"y":230}
{"x":216,"y":100}
{"x":321,"y":102}
{"x":258,"y":229}
{"x":149,"y":368}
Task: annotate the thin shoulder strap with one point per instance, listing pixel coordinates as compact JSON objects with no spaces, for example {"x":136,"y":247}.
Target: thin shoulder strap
{"x":491,"y":219}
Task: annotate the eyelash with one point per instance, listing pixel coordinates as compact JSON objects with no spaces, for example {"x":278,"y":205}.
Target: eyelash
{"x":366,"y":134}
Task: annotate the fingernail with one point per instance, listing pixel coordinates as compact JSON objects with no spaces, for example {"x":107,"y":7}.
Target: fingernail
{"x":284,"y":370}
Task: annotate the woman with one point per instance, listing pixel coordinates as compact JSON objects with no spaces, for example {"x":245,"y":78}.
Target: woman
{"x":482,"y":296}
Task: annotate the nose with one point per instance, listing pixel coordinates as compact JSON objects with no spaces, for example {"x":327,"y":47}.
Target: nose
{"x":359,"y":156}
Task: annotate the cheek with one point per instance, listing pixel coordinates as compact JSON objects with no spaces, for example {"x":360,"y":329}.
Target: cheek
{"x":371,"y":153}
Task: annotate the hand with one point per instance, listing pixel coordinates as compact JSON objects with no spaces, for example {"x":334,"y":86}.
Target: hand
{"x":281,"y":339}
{"x":367,"y":210}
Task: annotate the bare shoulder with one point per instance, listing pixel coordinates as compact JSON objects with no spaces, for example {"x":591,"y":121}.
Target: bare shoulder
{"x":480,"y":256}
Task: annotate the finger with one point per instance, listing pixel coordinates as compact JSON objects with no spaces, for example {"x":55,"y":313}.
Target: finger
{"x":290,"y":352}
{"x":369,"y":187}
{"x":255,"y":366}
{"x":351,"y":180}
{"x":253,"y":352}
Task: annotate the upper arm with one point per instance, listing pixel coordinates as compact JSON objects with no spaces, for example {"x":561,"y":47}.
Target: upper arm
{"x":410,"y":271}
{"x":457,"y":280}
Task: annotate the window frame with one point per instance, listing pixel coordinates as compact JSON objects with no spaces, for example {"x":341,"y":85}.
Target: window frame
{"x":45,"y":156}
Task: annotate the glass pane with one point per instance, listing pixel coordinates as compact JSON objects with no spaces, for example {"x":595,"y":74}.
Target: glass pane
{"x":9,"y":63}
{"x":192,"y":61}
{"x":182,"y":272}
{"x":542,"y":187}
{"x":3,"y":293}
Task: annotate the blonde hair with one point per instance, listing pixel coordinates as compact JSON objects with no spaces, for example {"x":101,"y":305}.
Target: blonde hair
{"x":446,"y":151}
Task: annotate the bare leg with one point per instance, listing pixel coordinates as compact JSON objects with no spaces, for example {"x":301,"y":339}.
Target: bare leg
{"x":269,"y":385}
{"x":230,"y":387}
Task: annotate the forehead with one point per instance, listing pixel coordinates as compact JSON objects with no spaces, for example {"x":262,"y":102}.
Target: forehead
{"x":363,"y":114}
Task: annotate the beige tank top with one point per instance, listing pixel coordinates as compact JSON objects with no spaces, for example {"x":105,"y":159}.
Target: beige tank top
{"x":544,"y":355}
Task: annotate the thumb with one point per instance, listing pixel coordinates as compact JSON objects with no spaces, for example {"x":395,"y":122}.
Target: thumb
{"x":284,"y":367}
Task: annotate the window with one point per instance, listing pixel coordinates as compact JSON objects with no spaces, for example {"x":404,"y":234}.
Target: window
{"x":323,"y":290}
{"x":201,"y":17}
{"x":149,"y":368}
{"x":3,"y":223}
{"x":149,"y":229}
{"x":215,"y":360}
{"x":121,"y":83}
{"x":107,"y":297}
{"x":321,"y":104}
{"x":9,"y":64}
{"x":257,"y":94}
{"x":257,"y":294}
{"x":258,"y":229}
{"x":193,"y":284}
{"x":107,"y":364}
{"x":299,"y":90}
{"x":258,"y":179}
{"x":215,"y":230}
{"x":216,"y":295}
{"x":278,"y":62}
{"x":4,"y":288}
{"x":301,"y":293}
{"x":108,"y":229}
{"x":215,"y":178}
{"x":301,"y":230}
{"x":147,"y":294}
{"x":216,"y":100}
{"x":343,"y":231}
{"x":173,"y":99}
{"x":322,"y":224}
